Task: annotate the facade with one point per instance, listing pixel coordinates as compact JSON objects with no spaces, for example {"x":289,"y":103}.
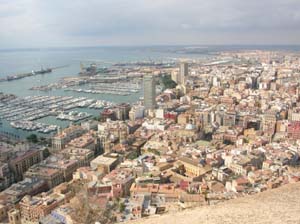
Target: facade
{"x":269,"y":122}
{"x":294,"y":115}
{"x":149,"y":92}
{"x":12,"y":195}
{"x":122,"y":111}
{"x":175,"y":76}
{"x":14,"y":216}
{"x":63,"y":137}
{"x":118,"y":130}
{"x":82,"y":156}
{"x":194,"y":168}
{"x":15,"y":160}
{"x":294,"y":130}
{"x":6,"y":176}
{"x":136,"y":112}
{"x":22,"y":163}
{"x":3,"y":212}
{"x":183,"y":73}
{"x":89,"y":125}
{"x":121,"y":180}
{"x":67,"y":167}
{"x":229,"y":119}
{"x":33,"y":209}
{"x":53,"y":176}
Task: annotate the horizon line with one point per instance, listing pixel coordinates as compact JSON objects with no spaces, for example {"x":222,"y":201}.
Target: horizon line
{"x":148,"y":45}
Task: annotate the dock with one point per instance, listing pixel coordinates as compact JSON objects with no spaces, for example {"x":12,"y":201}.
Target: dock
{"x":29,"y":74}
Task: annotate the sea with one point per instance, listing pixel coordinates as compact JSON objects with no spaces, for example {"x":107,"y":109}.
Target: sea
{"x":16,"y":61}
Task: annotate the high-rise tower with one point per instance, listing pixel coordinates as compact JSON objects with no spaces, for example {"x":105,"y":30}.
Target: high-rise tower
{"x":183,"y":73}
{"x":149,"y":92}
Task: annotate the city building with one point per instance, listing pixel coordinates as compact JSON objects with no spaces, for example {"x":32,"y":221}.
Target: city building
{"x":149,"y":92}
{"x":122,"y":111}
{"x":183,"y":73}
{"x":33,"y":209}
{"x":24,"y":160}
{"x":62,"y":138}
{"x":14,"y":216}
{"x":136,"y":112}
{"x":10,"y":197}
{"x":52,"y":176}
{"x":106,"y":162}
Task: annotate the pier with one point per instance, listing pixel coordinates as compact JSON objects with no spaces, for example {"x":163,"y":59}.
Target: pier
{"x":29,"y":74}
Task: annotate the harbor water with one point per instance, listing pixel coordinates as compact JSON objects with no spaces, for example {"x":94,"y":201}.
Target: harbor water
{"x":24,"y":61}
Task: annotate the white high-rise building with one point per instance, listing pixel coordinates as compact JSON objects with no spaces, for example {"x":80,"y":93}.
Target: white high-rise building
{"x":136,"y":112}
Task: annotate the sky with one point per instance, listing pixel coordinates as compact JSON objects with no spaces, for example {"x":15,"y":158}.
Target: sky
{"x":57,"y":23}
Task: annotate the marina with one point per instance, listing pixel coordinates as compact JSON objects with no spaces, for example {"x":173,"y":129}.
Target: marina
{"x":73,"y":116}
{"x":34,"y":126}
{"x":100,"y":104}
{"x":24,"y":113}
{"x":117,"y":88}
{"x":90,"y":86}
{"x":110,"y":92}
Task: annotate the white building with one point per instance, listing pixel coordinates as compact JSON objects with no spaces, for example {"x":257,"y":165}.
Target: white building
{"x":155,"y":124}
{"x":159,"y":113}
{"x":136,"y":112}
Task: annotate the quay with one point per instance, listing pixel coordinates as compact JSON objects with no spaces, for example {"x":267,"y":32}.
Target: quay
{"x":29,"y":74}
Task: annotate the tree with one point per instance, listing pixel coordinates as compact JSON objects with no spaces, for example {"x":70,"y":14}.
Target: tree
{"x":32,"y":138}
{"x":133,"y":155}
{"x":168,"y":82}
{"x":46,"y":153}
{"x":122,"y":207}
{"x":96,"y":118}
{"x":86,"y":211}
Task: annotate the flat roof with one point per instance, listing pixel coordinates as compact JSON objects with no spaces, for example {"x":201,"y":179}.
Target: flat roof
{"x":104,"y":160}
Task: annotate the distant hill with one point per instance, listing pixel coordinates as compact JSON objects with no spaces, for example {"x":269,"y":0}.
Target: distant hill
{"x":280,"y":206}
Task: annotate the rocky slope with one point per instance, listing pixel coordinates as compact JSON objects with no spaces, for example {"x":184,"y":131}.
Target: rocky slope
{"x":280,"y":206}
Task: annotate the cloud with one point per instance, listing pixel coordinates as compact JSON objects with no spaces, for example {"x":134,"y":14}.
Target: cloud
{"x":129,"y":22}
